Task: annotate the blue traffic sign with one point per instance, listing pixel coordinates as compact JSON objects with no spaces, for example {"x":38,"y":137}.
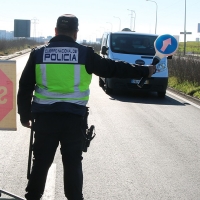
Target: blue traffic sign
{"x":166,"y":44}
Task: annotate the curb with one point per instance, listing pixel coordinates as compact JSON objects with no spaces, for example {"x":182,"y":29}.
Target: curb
{"x":191,"y":98}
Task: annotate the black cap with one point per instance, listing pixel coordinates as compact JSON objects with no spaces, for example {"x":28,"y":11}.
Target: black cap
{"x":67,"y":22}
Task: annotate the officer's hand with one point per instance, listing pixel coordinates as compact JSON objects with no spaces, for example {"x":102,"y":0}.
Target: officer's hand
{"x":152,"y":70}
{"x":27,"y":124}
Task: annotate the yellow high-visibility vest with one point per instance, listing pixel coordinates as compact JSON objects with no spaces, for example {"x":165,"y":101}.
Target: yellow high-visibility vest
{"x":62,"y":82}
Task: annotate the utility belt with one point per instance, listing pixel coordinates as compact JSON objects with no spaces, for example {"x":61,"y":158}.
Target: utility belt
{"x":88,"y":133}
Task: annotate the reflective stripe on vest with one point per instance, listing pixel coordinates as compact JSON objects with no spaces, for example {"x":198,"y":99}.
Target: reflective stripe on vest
{"x":62,"y":83}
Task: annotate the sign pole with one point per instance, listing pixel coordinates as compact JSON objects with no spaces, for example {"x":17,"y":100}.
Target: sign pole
{"x":185,"y":31}
{"x":184,"y":49}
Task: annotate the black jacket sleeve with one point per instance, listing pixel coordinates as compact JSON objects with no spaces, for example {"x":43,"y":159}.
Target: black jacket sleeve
{"x":109,"y":68}
{"x":26,"y":88}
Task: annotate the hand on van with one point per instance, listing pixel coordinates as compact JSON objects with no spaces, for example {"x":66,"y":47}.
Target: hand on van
{"x":152,"y":70}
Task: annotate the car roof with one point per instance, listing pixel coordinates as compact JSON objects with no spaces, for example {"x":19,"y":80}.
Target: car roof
{"x":132,"y":33}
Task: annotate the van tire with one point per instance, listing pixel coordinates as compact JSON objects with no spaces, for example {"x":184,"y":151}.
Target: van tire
{"x":161,"y":94}
{"x":101,"y":83}
{"x":107,"y":89}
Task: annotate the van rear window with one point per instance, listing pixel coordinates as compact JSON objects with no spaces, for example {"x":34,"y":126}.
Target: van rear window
{"x":133,"y":44}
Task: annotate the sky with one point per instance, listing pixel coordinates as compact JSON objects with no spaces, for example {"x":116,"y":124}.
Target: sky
{"x":98,"y":16}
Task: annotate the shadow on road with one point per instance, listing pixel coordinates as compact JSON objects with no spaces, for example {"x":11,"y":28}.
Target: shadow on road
{"x":144,"y":98}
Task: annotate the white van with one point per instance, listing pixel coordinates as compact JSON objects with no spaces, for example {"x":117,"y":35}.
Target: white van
{"x":134,"y":48}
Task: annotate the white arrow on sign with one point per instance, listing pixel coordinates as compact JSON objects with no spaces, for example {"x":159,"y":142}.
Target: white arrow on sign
{"x":166,"y":43}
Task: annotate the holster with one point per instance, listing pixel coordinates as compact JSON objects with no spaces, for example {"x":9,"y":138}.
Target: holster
{"x":88,"y":133}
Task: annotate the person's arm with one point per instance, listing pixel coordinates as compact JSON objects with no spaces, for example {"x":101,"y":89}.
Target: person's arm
{"x":25,"y":92}
{"x":109,"y":68}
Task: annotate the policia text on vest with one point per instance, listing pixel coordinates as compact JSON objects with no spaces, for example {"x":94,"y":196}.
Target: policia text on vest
{"x":61,"y":54}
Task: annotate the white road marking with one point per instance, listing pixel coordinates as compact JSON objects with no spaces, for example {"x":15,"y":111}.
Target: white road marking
{"x":184,"y":99}
{"x":49,"y":192}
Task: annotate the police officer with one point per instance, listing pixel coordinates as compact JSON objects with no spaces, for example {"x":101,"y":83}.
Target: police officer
{"x":54,"y":88}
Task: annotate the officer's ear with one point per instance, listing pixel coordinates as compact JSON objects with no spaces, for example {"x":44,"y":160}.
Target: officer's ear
{"x":75,"y":35}
{"x":56,"y":31}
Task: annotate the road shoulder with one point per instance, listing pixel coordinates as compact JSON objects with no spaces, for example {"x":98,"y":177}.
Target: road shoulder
{"x":183,"y":95}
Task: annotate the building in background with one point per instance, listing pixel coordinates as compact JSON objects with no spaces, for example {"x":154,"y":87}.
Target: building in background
{"x":6,"y":35}
{"x":9,"y":35}
{"x":177,"y":37}
{"x":2,"y":34}
{"x":198,"y":28}
{"x":98,"y":40}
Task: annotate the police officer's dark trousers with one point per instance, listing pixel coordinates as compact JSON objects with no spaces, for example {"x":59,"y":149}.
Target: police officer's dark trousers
{"x":52,"y":129}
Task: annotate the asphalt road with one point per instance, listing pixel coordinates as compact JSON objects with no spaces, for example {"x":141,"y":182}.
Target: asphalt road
{"x":145,"y":148}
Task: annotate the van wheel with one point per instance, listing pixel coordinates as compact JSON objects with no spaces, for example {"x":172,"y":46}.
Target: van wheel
{"x":161,"y":94}
{"x":101,"y":83}
{"x":107,"y":89}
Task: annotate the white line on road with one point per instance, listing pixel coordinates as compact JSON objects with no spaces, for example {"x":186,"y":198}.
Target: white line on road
{"x":49,"y":192}
{"x":183,"y":99}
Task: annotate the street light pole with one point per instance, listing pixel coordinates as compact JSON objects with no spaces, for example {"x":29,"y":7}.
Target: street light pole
{"x":119,"y":22}
{"x":131,"y":19}
{"x":134,"y":24}
{"x":185,"y":30}
{"x":156,"y":14}
{"x":184,"y":50}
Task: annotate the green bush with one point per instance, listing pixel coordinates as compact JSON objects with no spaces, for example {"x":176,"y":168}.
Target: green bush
{"x":192,"y":47}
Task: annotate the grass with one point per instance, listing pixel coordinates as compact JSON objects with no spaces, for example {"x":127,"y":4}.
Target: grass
{"x":186,"y":87}
{"x":191,"y":47}
{"x":184,"y":73}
